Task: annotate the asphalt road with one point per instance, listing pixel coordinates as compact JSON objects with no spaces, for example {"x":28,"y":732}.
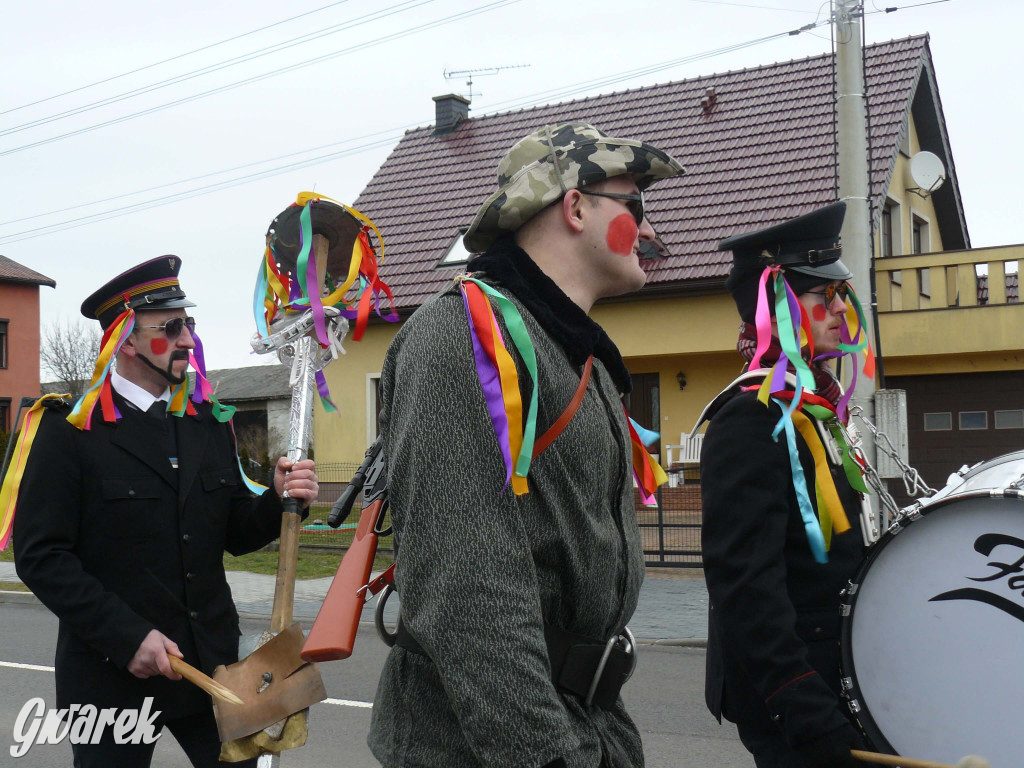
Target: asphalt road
{"x":665,"y":698}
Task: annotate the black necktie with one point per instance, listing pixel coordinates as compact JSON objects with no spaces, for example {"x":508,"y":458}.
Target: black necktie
{"x":158,"y":409}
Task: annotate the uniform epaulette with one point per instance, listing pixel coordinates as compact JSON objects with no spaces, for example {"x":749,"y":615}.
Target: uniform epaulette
{"x":58,"y":402}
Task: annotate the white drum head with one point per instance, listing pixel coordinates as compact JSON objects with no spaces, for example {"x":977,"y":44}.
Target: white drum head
{"x":936,"y":655}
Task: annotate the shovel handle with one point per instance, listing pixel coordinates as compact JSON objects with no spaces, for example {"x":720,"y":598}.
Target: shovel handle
{"x":208,"y":684}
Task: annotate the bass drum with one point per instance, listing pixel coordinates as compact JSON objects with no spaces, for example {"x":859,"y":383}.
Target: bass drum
{"x":933,"y":624}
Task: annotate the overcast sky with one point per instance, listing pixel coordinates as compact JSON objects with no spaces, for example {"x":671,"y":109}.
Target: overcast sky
{"x":353,"y":105}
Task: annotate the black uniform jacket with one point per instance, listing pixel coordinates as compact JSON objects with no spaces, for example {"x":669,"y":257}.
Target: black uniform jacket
{"x":773,"y":634}
{"x":116,"y":542}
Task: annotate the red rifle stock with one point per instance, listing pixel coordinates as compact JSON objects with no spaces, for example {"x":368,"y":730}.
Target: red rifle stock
{"x":334,"y":632}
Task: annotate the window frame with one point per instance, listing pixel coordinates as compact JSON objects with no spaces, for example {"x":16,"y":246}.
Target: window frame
{"x":960,"y":421}
{"x":947,"y":414}
{"x":995,"y":418}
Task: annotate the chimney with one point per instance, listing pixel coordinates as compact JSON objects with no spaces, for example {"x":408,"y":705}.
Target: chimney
{"x":449,"y":111}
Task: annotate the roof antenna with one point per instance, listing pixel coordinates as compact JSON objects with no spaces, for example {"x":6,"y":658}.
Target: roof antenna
{"x":485,"y":72}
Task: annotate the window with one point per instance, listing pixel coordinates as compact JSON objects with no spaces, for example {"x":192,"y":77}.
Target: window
{"x":457,"y":254}
{"x":1009,"y":419}
{"x":3,"y":343}
{"x":917,"y":236}
{"x":938,"y":422}
{"x":887,"y":231}
{"x":5,"y":416}
{"x":973,"y":420}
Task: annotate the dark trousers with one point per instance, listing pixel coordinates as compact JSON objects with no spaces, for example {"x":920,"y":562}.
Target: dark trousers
{"x":196,"y":734}
{"x":764,"y":741}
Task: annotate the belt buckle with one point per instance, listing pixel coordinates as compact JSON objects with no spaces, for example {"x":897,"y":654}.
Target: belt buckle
{"x":629,"y":642}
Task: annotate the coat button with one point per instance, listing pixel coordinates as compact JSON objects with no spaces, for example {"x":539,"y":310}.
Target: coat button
{"x":186,"y":538}
{"x":188,"y":576}
{"x":131,"y":492}
{"x":193,"y":614}
{"x":818,"y":630}
{"x":223,"y":481}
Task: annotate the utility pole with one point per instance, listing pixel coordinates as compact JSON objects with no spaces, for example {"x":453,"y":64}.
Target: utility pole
{"x":853,"y":184}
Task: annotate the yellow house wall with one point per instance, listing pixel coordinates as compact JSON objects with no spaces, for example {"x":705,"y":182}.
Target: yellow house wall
{"x":345,"y":435}
{"x":909,"y":206}
{"x":695,"y":336}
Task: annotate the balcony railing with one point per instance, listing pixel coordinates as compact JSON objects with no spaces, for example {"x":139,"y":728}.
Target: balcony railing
{"x":978,"y":277}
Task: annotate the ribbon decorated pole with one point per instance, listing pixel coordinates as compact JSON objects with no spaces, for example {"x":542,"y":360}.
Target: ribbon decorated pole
{"x":318,"y":273}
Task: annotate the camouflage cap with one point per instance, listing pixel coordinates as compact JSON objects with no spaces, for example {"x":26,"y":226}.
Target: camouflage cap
{"x":543,"y":166}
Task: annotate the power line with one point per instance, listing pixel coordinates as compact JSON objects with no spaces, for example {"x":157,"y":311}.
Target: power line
{"x":273,"y":73}
{"x":385,"y":137}
{"x":173,"y":58}
{"x":216,"y":67}
{"x":114,"y":213}
{"x":570,"y":90}
{"x":389,"y":132}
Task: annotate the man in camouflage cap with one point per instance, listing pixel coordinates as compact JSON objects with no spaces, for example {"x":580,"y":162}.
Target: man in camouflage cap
{"x":510,"y":596}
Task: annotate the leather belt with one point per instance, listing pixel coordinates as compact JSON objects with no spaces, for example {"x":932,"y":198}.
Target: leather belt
{"x":593,"y":670}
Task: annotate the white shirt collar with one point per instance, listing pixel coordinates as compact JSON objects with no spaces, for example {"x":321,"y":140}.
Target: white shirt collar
{"x":135,"y":394}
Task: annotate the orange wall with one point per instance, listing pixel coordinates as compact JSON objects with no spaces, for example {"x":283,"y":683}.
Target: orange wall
{"x":19,"y":305}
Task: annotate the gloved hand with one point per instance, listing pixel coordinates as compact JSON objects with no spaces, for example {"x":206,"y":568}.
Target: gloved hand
{"x":833,"y":749}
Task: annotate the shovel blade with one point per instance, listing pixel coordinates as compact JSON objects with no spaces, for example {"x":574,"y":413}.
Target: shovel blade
{"x":273,"y":682}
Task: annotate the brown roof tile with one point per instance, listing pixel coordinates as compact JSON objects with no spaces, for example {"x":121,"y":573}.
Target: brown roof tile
{"x":762,"y":154}
{"x":12,"y":271}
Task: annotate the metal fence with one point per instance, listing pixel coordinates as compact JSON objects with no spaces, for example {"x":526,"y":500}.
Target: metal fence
{"x":670,"y":531}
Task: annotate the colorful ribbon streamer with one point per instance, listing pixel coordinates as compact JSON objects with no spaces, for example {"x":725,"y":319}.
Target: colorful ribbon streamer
{"x":278,"y":292}
{"x":499,"y":381}
{"x":99,"y":387}
{"x":16,"y":470}
{"x":499,"y":378}
{"x":794,"y":337}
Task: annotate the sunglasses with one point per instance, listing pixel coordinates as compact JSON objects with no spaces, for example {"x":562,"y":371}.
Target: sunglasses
{"x":842,"y":289}
{"x":634,"y":203}
{"x":173,"y":327}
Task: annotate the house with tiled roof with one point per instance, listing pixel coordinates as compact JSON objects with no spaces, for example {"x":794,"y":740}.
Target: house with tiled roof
{"x":759,"y":147}
{"x":19,"y":336}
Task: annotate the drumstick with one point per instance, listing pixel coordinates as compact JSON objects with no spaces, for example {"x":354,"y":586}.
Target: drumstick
{"x":971,"y":761}
{"x":208,"y":684}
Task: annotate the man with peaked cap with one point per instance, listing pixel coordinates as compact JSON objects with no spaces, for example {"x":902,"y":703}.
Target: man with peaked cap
{"x":782,"y":534}
{"x":127,"y":505}
{"x":519,"y":561}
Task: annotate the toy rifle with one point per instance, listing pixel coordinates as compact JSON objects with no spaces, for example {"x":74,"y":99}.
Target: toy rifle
{"x":334,"y":632}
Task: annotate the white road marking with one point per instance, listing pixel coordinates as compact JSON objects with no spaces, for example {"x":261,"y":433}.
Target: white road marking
{"x":33,"y":667}
{"x":335,"y":702}
{"x":348,"y":703}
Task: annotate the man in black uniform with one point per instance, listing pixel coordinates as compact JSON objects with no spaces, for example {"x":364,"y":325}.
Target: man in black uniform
{"x":124,"y":520}
{"x":775,"y":561}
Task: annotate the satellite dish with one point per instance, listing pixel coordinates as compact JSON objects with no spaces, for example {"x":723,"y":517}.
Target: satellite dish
{"x":927,"y":171}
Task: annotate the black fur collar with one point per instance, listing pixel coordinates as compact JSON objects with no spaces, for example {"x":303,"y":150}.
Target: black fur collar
{"x":511,"y":267}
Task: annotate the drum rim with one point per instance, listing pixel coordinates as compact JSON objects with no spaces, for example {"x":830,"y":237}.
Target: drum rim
{"x":847,"y":669}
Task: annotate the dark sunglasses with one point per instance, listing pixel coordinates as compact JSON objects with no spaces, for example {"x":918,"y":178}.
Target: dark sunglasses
{"x":173,"y":327}
{"x":634,"y":203}
{"x":843,"y":289}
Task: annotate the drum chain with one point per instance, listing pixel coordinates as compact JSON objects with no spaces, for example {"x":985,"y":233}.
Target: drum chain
{"x":912,"y":481}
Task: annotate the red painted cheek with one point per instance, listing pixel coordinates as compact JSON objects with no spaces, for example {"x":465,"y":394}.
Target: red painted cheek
{"x":158,"y":345}
{"x":819,"y":313}
{"x":622,"y":234}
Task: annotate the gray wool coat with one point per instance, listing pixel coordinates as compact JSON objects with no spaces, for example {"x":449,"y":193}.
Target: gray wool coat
{"x":479,"y":570}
